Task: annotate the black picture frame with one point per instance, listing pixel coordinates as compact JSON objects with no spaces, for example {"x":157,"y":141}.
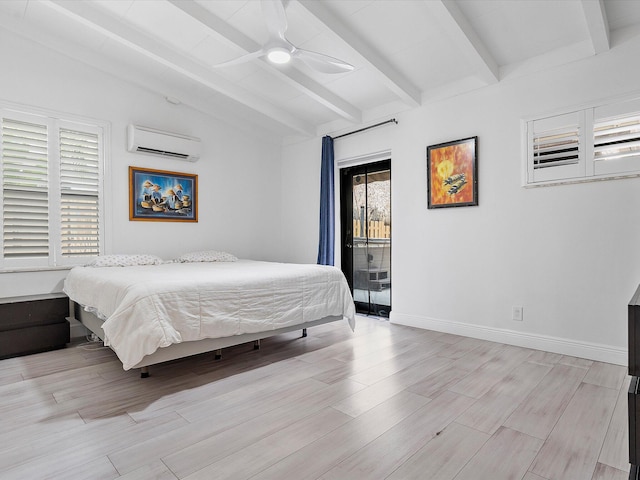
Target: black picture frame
{"x":452,"y":174}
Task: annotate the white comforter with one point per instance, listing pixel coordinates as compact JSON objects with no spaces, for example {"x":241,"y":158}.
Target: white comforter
{"x":148,"y":307}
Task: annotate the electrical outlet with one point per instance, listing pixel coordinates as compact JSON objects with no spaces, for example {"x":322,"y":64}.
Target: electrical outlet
{"x":516,"y":313}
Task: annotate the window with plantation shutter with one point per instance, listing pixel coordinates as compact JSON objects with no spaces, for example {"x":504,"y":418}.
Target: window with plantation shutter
{"x":556,"y":148}
{"x":552,"y":149}
{"x":25,"y":192}
{"x":79,"y":193}
{"x":595,"y":143}
{"x":50,"y":173}
{"x":616,"y":138}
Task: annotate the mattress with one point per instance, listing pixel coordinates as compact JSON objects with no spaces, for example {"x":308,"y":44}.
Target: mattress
{"x":153,"y":306}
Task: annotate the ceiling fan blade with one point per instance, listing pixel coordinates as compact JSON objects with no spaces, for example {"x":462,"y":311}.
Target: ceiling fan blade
{"x":275,"y":17}
{"x":241,"y":59}
{"x":322,"y":63}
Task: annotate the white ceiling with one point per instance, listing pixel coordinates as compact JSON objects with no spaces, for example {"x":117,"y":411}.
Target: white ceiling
{"x":405,"y":52}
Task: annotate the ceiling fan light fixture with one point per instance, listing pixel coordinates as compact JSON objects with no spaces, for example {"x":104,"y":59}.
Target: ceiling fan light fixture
{"x":279,"y":51}
{"x":279,"y":55}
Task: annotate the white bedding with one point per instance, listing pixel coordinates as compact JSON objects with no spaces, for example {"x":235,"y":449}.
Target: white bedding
{"x":153,"y":306}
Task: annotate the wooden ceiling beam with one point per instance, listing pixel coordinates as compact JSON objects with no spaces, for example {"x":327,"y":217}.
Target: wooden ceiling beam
{"x":465,"y":37}
{"x":113,"y":28}
{"x":397,"y":83}
{"x":597,"y":23}
{"x":291,"y":76}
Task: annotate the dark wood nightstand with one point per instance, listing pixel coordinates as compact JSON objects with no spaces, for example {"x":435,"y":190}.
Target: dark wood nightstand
{"x":33,"y":323}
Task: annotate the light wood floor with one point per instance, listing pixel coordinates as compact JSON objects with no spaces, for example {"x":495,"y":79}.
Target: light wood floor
{"x":387,"y":402}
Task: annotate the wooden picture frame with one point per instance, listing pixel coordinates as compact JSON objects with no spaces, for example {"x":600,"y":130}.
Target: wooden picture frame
{"x":160,"y":195}
{"x":452,"y":173}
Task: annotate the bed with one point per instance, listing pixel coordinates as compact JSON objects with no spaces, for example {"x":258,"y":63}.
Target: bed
{"x":155,"y":312}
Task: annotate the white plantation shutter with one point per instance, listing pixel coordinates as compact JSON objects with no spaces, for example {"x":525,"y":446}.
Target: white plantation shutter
{"x":25,"y":212}
{"x":79,"y":193}
{"x":595,"y":143}
{"x":616,"y":138}
{"x":50,"y":175}
{"x":556,"y":148}
{"x":552,"y":149}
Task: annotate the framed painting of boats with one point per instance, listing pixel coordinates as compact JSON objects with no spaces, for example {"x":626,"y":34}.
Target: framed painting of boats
{"x":159,"y":195}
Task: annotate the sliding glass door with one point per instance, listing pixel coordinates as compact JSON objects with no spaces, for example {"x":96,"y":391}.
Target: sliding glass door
{"x":365,"y":200}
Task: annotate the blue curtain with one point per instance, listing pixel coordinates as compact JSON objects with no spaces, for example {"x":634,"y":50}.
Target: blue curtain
{"x":327,"y":205}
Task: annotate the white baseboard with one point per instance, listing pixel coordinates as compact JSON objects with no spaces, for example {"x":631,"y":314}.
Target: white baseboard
{"x":590,"y":351}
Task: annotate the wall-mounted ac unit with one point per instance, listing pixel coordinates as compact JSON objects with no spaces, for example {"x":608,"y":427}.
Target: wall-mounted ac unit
{"x":155,"y":142}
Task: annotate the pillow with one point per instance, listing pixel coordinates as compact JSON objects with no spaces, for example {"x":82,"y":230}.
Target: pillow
{"x":124,"y":260}
{"x":207,"y":256}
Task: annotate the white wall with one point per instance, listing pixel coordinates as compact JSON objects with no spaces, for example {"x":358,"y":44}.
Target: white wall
{"x":567,"y":254}
{"x":238,"y":175}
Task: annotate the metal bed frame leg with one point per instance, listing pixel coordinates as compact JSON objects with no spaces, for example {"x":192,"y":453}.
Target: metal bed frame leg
{"x":144,"y":372}
{"x":256,"y":344}
{"x":304,"y":332}
{"x":218,"y":355}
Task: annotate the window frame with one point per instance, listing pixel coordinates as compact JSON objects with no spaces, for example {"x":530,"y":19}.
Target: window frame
{"x":55,"y":122}
{"x":587,"y":115}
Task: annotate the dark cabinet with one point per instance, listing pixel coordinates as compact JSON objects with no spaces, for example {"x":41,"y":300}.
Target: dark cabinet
{"x":634,"y":387}
{"x":634,"y":416}
{"x":634,"y":334}
{"x":32,"y":324}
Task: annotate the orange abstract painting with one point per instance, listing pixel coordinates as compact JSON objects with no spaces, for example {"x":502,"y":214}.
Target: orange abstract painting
{"x":452,"y":173}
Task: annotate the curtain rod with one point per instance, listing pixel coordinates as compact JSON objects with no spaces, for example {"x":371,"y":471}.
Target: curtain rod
{"x":393,"y":120}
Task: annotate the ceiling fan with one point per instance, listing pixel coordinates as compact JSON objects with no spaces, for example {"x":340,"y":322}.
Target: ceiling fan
{"x":279,"y":50}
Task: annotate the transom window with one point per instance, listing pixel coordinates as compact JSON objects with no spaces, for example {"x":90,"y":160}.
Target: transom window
{"x":594,"y":143}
